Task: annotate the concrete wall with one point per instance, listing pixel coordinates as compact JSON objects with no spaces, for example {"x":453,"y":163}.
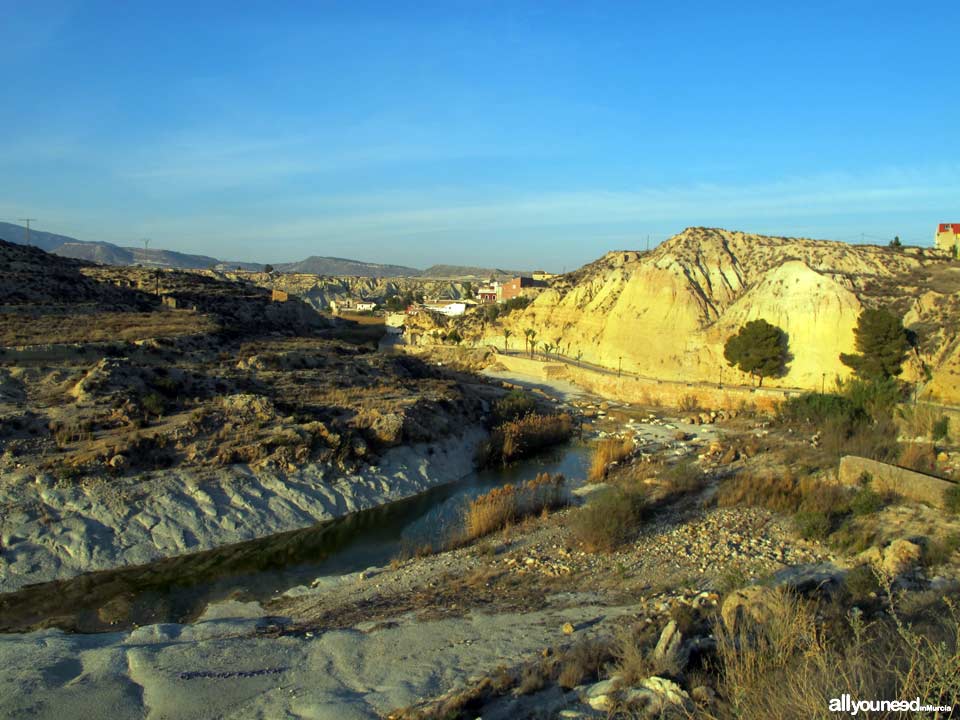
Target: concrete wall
{"x":890,"y":478}
{"x":647,"y":392}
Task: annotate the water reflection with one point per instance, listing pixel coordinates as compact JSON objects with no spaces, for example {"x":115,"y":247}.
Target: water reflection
{"x":179,"y":589}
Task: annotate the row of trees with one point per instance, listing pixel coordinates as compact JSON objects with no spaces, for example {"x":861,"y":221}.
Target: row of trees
{"x":761,"y":349}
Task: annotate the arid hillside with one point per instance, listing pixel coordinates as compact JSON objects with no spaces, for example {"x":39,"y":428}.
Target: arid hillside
{"x":667,"y":313}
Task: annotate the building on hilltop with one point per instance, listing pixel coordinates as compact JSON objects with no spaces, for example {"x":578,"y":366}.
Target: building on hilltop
{"x":489,"y":293}
{"x":948,"y":237}
{"x":515,"y":287}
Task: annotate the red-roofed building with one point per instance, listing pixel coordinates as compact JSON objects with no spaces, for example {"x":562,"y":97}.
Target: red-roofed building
{"x":948,"y":237}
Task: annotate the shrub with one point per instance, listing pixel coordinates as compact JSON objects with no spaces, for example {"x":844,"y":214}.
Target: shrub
{"x":689,"y":403}
{"x":683,"y":478}
{"x":866,"y":502}
{"x":608,"y":518}
{"x":938,"y":551}
{"x":525,"y":436}
{"x":818,"y":409}
{"x":153,"y":404}
{"x":951,"y":499}
{"x":505,"y":505}
{"x":813,"y":524}
{"x":605,"y":453}
{"x":941,"y":428}
{"x":860,"y":582}
{"x":918,"y":456}
{"x":513,"y":405}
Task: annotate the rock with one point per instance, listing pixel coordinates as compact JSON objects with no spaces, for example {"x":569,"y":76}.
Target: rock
{"x":901,"y":556}
{"x":753,"y":604}
{"x":667,"y":655}
{"x":657,"y":696}
{"x":568,"y":628}
{"x":731,"y":455}
{"x":117,"y":462}
{"x":599,"y":696}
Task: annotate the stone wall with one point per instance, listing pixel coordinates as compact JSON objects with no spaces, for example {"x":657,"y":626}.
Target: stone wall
{"x":890,"y":478}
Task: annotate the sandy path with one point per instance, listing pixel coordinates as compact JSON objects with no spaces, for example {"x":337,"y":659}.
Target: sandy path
{"x":220,"y":669}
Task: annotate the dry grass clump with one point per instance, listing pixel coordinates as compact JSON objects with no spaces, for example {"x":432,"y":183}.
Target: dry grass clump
{"x":790,"y":667}
{"x":525,"y":436}
{"x":781,"y":492}
{"x":605,"y":453}
{"x":609,"y":518}
{"x":918,"y":456}
{"x":505,"y":505}
{"x":820,"y":509}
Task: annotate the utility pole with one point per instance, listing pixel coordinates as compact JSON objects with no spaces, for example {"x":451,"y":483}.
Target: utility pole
{"x":28,"y":221}
{"x":648,"y":242}
{"x":619,"y":365}
{"x":146,"y":247}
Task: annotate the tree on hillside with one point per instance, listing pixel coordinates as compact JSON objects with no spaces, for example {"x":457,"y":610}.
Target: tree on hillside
{"x":268,"y":269}
{"x":531,"y":334}
{"x":506,"y":338}
{"x":895,"y":243}
{"x":759,"y":349}
{"x":882,"y":344}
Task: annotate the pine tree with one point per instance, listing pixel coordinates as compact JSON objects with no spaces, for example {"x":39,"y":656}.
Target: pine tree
{"x":759,"y":348}
{"x":882,"y":345}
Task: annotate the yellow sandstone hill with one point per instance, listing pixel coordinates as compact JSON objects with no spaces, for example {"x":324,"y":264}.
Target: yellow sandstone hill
{"x":667,"y":313}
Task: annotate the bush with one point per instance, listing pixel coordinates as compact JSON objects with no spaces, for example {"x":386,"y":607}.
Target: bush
{"x":683,"y":478}
{"x":525,"y":436}
{"x":153,"y":404}
{"x":951,"y":499}
{"x":505,"y":505}
{"x":817,"y":409}
{"x":605,"y":453}
{"x":608,"y":518}
{"x":813,"y":524}
{"x":940,"y":429}
{"x":918,"y":456}
{"x":513,"y":405}
{"x":866,"y":502}
{"x":860,"y":582}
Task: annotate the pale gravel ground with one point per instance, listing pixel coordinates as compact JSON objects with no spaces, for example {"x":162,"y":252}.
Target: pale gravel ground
{"x":50,"y":533}
{"x":220,"y":669}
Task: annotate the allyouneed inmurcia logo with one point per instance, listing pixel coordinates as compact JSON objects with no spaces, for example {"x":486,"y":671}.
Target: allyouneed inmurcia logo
{"x":846,"y":704}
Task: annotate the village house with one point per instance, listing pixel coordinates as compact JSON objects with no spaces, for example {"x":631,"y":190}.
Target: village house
{"x":489,"y":293}
{"x":542,"y":275}
{"x":515,"y":287}
{"x":447,"y":307}
{"x":365,"y":306}
{"x":948,"y":237}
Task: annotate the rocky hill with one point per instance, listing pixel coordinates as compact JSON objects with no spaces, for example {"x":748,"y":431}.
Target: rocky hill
{"x":667,"y":313}
{"x":320,"y":290}
{"x":316,"y":265}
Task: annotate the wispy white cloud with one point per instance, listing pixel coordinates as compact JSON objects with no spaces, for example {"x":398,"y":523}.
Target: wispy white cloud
{"x":811,"y":197}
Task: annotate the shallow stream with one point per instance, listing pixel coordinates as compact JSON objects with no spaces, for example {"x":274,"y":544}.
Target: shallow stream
{"x":179,"y":589}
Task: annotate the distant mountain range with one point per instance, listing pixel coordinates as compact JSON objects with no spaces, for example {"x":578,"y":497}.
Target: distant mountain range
{"x":106,"y":253}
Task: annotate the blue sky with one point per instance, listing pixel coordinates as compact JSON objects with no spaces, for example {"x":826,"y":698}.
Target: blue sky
{"x":507,"y":134}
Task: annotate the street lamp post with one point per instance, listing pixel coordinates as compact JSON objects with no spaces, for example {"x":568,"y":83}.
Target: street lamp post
{"x":619,"y":365}
{"x":823,"y":383}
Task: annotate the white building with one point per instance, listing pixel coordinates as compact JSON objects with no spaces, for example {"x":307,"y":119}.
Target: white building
{"x":449,"y":308}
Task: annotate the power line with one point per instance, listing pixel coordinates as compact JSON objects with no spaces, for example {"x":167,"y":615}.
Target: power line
{"x":28,"y":221}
